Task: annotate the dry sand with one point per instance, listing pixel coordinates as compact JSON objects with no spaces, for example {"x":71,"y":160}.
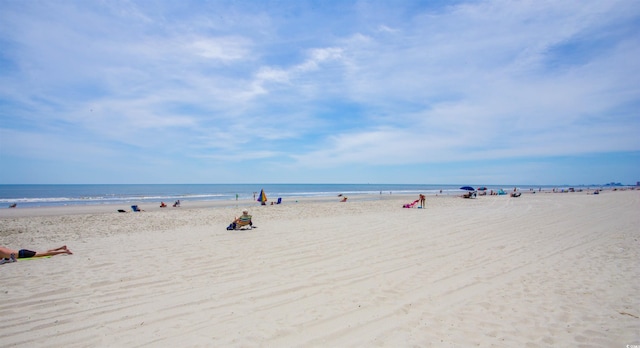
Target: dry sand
{"x":536,"y":271}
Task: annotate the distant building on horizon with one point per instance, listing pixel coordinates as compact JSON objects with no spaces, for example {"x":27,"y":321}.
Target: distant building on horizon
{"x":613,"y":184}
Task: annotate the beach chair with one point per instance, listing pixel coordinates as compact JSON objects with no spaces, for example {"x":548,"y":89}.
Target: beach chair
{"x":279,"y":200}
{"x":135,"y":208}
{"x":244,"y":223}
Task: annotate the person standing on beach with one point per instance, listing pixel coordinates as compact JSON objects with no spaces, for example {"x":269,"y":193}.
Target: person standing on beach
{"x":423,"y":200}
{"x":10,"y":255}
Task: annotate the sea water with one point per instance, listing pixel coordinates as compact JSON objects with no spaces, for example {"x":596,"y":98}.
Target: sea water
{"x":61,"y":195}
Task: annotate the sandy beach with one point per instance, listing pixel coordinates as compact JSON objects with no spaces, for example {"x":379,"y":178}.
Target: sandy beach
{"x":541,"y":270}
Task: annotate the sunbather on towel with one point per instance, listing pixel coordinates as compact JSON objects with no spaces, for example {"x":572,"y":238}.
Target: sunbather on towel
{"x":10,"y":255}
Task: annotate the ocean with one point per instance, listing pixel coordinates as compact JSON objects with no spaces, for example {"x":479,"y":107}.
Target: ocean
{"x":61,"y":195}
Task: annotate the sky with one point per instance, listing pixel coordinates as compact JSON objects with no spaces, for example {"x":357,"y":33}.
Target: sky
{"x":407,"y":92}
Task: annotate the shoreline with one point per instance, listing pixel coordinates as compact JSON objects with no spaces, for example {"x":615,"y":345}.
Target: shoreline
{"x":40,"y":196}
{"x":185,"y":205}
{"x":107,"y":208}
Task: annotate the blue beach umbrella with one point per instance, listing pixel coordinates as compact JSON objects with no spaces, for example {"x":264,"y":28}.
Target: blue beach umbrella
{"x":468,"y":188}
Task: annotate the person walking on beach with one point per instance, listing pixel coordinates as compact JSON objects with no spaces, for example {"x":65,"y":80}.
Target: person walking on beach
{"x":10,"y":255}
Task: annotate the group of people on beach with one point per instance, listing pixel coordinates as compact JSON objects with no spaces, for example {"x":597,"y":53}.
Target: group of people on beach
{"x":175,"y":205}
{"x":8,"y":255}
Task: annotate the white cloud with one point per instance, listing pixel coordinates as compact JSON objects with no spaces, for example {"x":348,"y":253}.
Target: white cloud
{"x":291,"y":75}
{"x":221,"y":48}
{"x":384,"y":28}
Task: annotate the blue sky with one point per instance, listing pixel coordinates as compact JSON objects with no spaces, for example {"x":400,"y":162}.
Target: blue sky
{"x":426,"y":92}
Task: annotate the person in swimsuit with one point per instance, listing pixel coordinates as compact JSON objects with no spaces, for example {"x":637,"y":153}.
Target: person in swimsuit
{"x":9,"y":255}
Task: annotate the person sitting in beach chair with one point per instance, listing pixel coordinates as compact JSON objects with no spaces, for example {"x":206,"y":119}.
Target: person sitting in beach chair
{"x":163,"y":205}
{"x":242,"y":221}
{"x":176,"y":204}
{"x":136,"y":209}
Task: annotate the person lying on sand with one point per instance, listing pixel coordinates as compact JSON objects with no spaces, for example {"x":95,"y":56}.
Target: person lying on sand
{"x":9,"y":255}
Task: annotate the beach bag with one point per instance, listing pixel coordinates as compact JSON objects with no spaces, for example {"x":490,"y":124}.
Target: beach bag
{"x":231,"y":227}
